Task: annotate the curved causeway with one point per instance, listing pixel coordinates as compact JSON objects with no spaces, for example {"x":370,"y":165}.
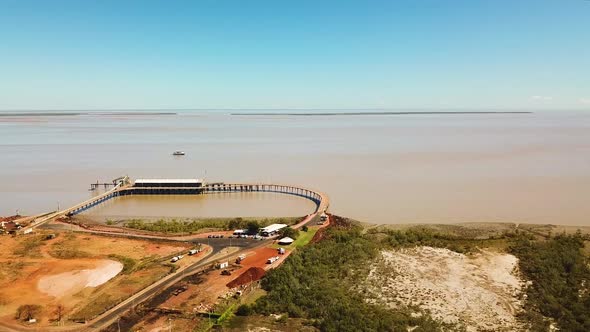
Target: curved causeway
{"x":165,"y":187}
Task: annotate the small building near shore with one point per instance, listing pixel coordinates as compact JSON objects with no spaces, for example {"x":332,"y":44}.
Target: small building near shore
{"x":271,"y":230}
{"x":9,"y":227}
{"x":286,"y":241}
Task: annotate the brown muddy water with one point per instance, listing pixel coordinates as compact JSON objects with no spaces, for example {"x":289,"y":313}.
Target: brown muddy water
{"x":203,"y":206}
{"x":530,"y":168}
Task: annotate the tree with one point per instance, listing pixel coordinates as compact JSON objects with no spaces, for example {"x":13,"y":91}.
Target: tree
{"x":59,"y":310}
{"x":559,"y":271}
{"x":253,"y":227}
{"x":235,"y":223}
{"x":304,"y":228}
{"x":314,"y":283}
{"x":244,"y":310}
{"x":289,"y":232}
{"x":28,"y":311}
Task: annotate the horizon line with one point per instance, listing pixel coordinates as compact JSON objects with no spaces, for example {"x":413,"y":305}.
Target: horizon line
{"x":397,"y":109}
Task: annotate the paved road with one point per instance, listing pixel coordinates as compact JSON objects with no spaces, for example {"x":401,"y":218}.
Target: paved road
{"x":113,"y":314}
{"x":216,"y":244}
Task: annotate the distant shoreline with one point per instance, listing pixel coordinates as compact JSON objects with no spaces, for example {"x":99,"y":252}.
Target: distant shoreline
{"x":308,"y":113}
{"x":384,"y":113}
{"x":13,"y":114}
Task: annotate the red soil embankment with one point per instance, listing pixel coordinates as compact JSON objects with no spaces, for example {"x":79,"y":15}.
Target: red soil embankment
{"x":319,"y":235}
{"x":333,"y":221}
{"x":252,"y":274}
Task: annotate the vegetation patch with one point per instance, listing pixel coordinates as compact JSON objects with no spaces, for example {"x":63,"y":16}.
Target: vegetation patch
{"x":11,"y":270}
{"x":305,"y":237}
{"x":190,"y":226}
{"x":301,"y":239}
{"x":559,"y":273}
{"x":30,"y":246}
{"x":112,"y":293}
{"x":26,"y":312}
{"x":288,"y":232}
{"x":462,"y":230}
{"x":129,"y":264}
{"x":315,"y":283}
{"x":67,"y":251}
{"x":425,"y":236}
{"x":268,"y":323}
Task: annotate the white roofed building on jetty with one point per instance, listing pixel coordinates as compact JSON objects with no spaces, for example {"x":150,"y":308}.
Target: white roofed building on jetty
{"x":168,"y":183}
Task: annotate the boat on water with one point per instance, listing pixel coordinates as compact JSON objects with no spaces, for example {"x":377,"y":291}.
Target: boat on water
{"x":178,"y":153}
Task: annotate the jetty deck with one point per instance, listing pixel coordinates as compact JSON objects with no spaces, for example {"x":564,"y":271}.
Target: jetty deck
{"x":123,"y":187}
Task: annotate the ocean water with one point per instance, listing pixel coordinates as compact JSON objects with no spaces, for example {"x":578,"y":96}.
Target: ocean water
{"x":531,"y":168}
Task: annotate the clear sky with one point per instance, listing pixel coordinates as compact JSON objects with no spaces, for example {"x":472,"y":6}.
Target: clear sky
{"x":432,"y":54}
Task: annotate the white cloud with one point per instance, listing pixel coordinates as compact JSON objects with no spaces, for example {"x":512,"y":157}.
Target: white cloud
{"x":541,"y":98}
{"x":584,"y":101}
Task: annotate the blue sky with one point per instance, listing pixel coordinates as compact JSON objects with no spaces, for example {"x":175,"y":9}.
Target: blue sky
{"x":423,"y":54}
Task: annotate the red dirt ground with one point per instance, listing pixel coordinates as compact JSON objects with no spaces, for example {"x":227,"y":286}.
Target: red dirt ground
{"x":204,"y":295}
{"x":250,"y":275}
{"x":321,"y":233}
{"x":258,"y":257}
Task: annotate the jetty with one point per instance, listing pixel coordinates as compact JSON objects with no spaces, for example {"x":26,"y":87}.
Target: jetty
{"x":123,"y":186}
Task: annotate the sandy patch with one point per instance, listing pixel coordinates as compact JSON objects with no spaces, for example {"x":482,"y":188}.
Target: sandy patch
{"x":480,"y":291}
{"x":59,"y":285}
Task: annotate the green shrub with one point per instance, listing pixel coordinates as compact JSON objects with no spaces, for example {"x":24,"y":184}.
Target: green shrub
{"x":289,"y":232}
{"x":28,"y":311}
{"x":560,"y":274}
{"x":194,"y":225}
{"x":62,"y":252}
{"x":129,"y":263}
{"x":244,"y":310}
{"x":30,"y":246}
{"x":316,"y":282}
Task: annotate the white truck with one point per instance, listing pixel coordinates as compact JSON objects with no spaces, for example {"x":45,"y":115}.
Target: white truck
{"x":222,"y":265}
{"x":323,"y":219}
{"x":272,"y":260}
{"x":176,"y":258}
{"x":240,"y":258}
{"x":193,"y":251}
